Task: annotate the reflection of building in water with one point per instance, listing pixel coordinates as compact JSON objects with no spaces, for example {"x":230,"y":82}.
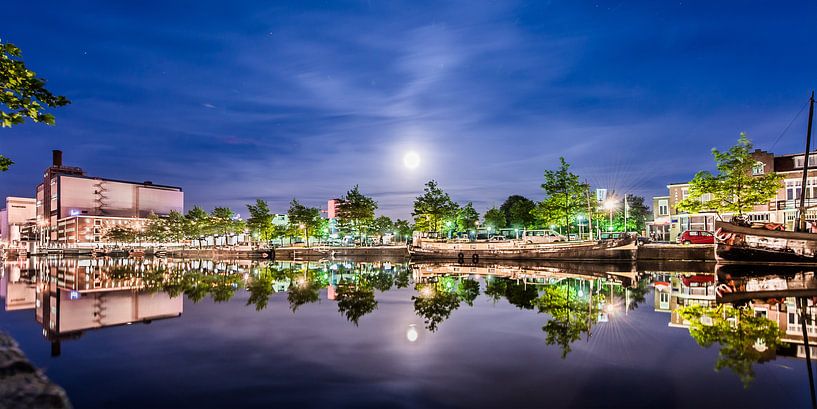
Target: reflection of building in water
{"x":17,"y":286}
{"x":75,"y":295}
{"x":675,"y":290}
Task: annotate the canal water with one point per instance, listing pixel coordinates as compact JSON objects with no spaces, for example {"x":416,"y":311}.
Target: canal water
{"x":347,"y":333}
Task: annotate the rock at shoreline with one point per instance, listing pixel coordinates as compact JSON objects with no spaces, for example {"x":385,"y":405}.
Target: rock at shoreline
{"x":22,"y":385}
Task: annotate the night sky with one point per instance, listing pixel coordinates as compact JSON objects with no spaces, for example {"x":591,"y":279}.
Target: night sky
{"x":239,"y":100}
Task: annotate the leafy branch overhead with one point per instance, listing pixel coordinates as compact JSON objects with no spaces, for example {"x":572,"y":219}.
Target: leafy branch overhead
{"x":24,"y":94}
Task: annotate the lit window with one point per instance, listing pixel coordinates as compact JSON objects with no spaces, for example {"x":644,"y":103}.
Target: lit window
{"x":759,"y":168}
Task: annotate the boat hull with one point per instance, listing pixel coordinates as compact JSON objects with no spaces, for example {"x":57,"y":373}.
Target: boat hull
{"x":737,"y":244}
{"x":616,"y":251}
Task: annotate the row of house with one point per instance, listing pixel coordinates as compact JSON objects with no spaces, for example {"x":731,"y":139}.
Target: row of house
{"x":668,"y":222}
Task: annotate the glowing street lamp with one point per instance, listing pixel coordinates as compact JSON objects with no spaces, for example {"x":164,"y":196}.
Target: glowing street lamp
{"x":610,"y":204}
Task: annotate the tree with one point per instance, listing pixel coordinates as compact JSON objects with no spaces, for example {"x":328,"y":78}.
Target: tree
{"x":517,"y":210}
{"x":302,"y":219}
{"x":198,"y":224}
{"x":434,"y":303}
{"x":260,"y":220}
{"x":467,"y":217}
{"x":356,"y":212}
{"x":432,"y":208}
{"x":495,"y":218}
{"x":23,"y":94}
{"x":155,"y":229}
{"x":382,"y":226}
{"x":225,"y":222}
{"x":121,"y":234}
{"x":176,"y":226}
{"x":403,"y":228}
{"x":566,"y":197}
{"x":734,"y":189}
{"x":637,"y":213}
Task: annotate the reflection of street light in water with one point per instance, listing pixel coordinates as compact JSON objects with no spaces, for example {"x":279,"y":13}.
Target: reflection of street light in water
{"x":411,"y":333}
{"x":425,"y":291}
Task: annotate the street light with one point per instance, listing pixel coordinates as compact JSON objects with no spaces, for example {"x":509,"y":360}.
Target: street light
{"x":580,"y":219}
{"x":610,"y":205}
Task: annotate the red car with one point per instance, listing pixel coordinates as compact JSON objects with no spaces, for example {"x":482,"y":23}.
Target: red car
{"x":696,"y":237}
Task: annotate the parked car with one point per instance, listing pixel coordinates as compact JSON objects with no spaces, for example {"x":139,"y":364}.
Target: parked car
{"x":497,"y":238}
{"x":696,"y":237}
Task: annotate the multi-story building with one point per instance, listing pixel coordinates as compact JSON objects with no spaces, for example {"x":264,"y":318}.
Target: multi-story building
{"x":18,"y":212}
{"x":73,"y":209}
{"x":668,"y":222}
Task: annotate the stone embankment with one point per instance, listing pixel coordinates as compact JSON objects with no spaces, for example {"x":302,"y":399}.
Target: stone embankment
{"x":22,"y":385}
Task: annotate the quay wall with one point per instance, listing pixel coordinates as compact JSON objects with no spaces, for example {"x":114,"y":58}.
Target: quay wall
{"x":691,"y":252}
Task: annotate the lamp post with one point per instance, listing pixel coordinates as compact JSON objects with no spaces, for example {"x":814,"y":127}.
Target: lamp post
{"x":610,"y":205}
{"x":579,"y":219}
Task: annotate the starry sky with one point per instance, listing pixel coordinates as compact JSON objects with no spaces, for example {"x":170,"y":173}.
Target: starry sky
{"x":238,"y":100}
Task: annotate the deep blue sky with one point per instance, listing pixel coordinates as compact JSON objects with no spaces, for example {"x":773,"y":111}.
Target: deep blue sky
{"x":237,"y":100}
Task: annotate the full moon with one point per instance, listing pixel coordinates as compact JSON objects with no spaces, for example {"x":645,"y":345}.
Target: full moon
{"x":411,"y":160}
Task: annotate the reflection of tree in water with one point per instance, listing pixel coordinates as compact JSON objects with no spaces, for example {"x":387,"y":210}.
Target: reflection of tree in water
{"x":744,"y":339}
{"x":435,"y":301}
{"x":260,"y":288}
{"x":305,"y":289}
{"x":381,"y":280}
{"x":570,"y":315}
{"x":402,"y":276}
{"x":355,"y":298}
{"x":516,"y":292}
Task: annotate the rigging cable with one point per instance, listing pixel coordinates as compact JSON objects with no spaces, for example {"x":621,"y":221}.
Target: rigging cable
{"x":771,"y":148}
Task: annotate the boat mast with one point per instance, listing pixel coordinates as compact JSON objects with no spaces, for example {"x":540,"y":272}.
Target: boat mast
{"x":801,"y":225}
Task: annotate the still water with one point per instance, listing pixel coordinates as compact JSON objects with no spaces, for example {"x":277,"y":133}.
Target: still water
{"x":204,"y":333}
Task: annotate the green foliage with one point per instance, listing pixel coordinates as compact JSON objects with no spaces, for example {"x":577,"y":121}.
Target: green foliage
{"x":570,"y":316}
{"x":738,"y":332}
{"x":223,"y":221}
{"x":518,"y":294}
{"x":432,"y":208}
{"x":382,"y":225}
{"x":304,"y":220}
{"x":260,"y":220}
{"x":467,"y":217}
{"x":434,"y":304}
{"x":733,"y":189}
{"x":121,"y":234}
{"x":637,"y":213}
{"x":5,"y":163}
{"x":403,"y":228}
{"x":566,"y":197}
{"x":198,"y":223}
{"x":518,"y":211}
{"x":356,"y":212}
{"x":355,"y":299}
{"x":260,"y":289}
{"x":23,"y":94}
{"x":495,"y":218}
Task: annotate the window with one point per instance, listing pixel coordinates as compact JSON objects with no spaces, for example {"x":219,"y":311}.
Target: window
{"x":684,"y":192}
{"x":693,"y":233}
{"x":706,"y":234}
{"x":798,"y":161}
{"x":663,"y":207}
{"x":706,"y":197}
{"x":759,"y":168}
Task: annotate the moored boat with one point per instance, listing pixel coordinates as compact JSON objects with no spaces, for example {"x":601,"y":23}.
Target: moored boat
{"x":748,"y":245}
{"x":622,"y":249}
